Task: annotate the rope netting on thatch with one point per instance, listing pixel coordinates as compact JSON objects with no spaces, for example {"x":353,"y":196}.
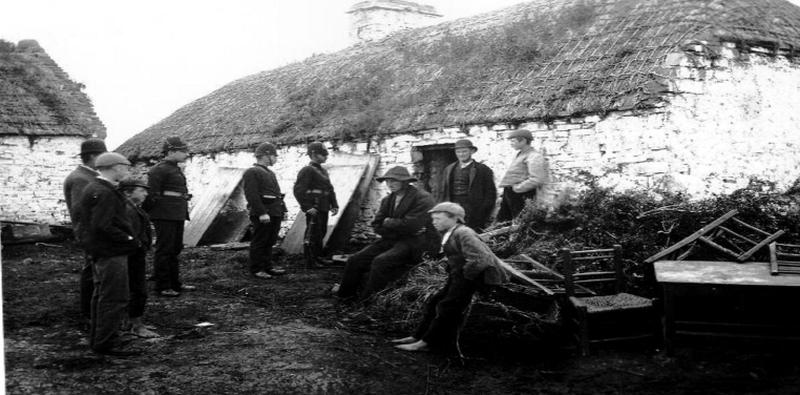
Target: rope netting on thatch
{"x":533,"y":61}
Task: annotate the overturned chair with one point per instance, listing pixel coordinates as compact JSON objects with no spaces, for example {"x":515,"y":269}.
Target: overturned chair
{"x":604,"y":313}
{"x":727,"y":235}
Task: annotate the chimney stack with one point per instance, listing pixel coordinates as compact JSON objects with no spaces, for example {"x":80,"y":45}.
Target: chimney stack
{"x":376,"y":19}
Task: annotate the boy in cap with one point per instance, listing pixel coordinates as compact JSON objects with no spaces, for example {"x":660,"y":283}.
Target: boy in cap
{"x":471,"y":265}
{"x":314,"y":191}
{"x":168,"y":207}
{"x":527,"y":173}
{"x":136,"y":192}
{"x":73,"y":190}
{"x":107,"y":235}
{"x":406,"y":233}
{"x":265,"y":201}
{"x":470,"y":184}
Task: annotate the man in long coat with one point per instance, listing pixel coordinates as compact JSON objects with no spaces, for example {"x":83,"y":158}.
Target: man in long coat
{"x":74,"y":184}
{"x":470,"y":184}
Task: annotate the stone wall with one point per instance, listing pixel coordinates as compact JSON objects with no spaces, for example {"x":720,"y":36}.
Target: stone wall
{"x":373,"y":20}
{"x":726,"y":121}
{"x":32,"y":174}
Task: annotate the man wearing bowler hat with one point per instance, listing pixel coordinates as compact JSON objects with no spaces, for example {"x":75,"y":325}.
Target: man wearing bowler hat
{"x":73,"y":190}
{"x":168,"y":207}
{"x":405,"y":231}
{"x":470,"y":184}
{"x":526,"y":175}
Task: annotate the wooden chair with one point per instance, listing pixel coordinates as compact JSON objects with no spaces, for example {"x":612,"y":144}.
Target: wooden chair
{"x":784,"y":258}
{"x":727,"y":235}
{"x":598,"y":318}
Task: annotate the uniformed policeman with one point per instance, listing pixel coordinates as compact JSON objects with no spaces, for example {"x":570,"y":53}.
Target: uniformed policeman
{"x":314,"y":191}
{"x":168,"y":207}
{"x":108,"y":237}
{"x":265,"y":201}
{"x":73,"y":190}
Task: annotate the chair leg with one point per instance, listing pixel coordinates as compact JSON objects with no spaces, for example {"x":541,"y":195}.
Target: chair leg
{"x":583,"y":332}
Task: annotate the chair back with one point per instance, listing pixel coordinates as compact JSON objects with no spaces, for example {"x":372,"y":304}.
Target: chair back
{"x":784,"y":258}
{"x":595,"y":261}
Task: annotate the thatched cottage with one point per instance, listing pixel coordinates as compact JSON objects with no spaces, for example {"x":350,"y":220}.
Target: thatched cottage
{"x":693,"y":95}
{"x":44,"y":117}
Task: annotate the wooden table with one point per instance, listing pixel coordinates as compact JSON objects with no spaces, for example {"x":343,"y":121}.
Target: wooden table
{"x":727,"y":299}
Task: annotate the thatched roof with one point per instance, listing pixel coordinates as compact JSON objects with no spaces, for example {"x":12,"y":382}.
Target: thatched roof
{"x":37,"y":98}
{"x":538,"y":60}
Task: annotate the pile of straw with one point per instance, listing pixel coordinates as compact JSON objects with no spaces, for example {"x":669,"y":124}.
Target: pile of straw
{"x":501,"y":311}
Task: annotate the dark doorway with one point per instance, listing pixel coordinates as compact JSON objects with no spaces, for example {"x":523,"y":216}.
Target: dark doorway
{"x":429,"y":164}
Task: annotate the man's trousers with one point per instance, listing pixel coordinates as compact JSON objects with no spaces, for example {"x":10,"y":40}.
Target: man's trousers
{"x":169,"y":243}
{"x":109,"y":301}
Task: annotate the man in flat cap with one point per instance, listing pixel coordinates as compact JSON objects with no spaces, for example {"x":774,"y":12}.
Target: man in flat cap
{"x":405,"y":233}
{"x":526,"y":175}
{"x":73,"y":190}
{"x":108,"y":237}
{"x":471,"y":185}
{"x":135,"y":190}
{"x":314,"y":191}
{"x":168,"y":206}
{"x":267,"y":209}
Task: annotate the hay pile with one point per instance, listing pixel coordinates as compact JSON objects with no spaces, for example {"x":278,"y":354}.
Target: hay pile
{"x":512,"y":310}
{"x":644,"y":223}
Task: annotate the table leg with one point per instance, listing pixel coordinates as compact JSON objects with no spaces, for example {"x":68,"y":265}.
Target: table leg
{"x":669,"y":318}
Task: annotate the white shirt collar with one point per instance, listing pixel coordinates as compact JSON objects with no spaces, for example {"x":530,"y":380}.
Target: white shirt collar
{"x":114,"y":183}
{"x":463,"y":165}
{"x":447,"y":235}
{"x":89,"y":168}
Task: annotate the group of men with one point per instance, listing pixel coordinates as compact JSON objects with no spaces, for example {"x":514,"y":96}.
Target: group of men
{"x":113,"y":215}
{"x":404,"y":221}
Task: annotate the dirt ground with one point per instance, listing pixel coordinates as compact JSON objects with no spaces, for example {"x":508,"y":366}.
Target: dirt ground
{"x":287,"y":336}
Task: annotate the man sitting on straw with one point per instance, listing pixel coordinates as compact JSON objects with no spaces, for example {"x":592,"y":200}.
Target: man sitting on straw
{"x":406,"y":233}
{"x":471,"y":265}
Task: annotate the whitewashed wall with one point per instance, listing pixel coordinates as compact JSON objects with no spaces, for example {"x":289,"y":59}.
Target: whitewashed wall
{"x":32,"y":174}
{"x":725,"y":122}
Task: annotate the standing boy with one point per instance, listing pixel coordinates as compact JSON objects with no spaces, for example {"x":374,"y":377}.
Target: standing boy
{"x":136,"y":191}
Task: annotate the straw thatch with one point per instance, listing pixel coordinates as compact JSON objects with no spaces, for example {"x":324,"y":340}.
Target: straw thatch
{"x":534,"y":61}
{"x":37,"y":98}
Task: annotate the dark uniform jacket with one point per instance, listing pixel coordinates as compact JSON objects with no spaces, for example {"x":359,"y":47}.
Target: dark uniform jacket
{"x":73,"y":187}
{"x":105,"y":227}
{"x":140,"y":223}
{"x":409,"y":219}
{"x":482,"y":191}
{"x":167,"y":176}
{"x":262,"y":192}
{"x":313,"y":189}
{"x":470,"y":257}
